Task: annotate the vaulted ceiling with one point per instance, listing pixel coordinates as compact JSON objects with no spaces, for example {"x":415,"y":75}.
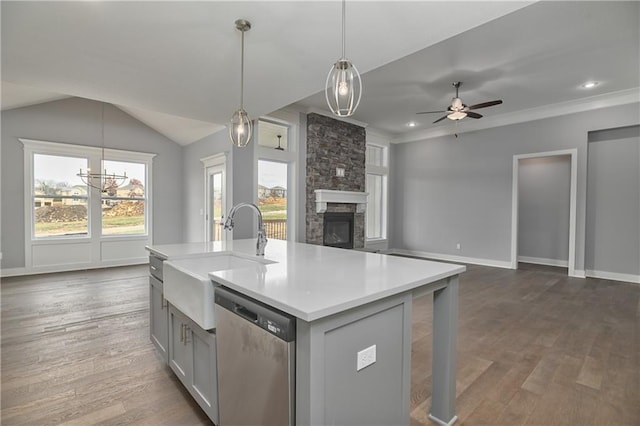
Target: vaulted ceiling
{"x":175,"y":65}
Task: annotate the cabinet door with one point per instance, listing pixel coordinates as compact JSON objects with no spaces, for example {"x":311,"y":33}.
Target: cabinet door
{"x":204,"y":380}
{"x":179,"y":351}
{"x":159,"y":318}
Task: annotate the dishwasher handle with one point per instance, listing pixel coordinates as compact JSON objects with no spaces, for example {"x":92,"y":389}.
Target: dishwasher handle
{"x":245,"y":313}
{"x":268,"y":318}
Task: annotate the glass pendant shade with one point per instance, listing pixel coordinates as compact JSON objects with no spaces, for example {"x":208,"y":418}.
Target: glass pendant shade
{"x":240,"y":128}
{"x":343,"y":88}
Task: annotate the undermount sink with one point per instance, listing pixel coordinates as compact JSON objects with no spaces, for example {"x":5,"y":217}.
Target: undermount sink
{"x":187,"y":285}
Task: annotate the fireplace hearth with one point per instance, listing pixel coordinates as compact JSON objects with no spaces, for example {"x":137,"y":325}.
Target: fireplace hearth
{"x":338,"y":230}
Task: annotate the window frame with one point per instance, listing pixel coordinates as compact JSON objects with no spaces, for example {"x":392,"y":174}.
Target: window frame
{"x":94,"y":236}
{"x":383,"y":172}
{"x":145,"y":199}
{"x":290,"y":157}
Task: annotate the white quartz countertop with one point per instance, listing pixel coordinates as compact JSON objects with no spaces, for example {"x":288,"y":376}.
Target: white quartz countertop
{"x":310,"y":281}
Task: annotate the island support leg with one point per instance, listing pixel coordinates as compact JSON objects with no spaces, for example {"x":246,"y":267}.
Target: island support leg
{"x":445,"y":354}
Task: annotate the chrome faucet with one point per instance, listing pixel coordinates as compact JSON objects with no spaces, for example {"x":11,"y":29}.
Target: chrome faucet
{"x":262,"y":235}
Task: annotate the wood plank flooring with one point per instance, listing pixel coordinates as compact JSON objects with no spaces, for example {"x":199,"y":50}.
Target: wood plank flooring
{"x":535,"y":347}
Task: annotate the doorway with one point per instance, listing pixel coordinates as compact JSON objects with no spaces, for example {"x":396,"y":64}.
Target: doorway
{"x":520,"y":161}
{"x":215,"y":174}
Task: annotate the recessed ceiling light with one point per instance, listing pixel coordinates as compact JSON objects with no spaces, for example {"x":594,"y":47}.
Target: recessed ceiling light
{"x":411,"y":124}
{"x":589,"y":84}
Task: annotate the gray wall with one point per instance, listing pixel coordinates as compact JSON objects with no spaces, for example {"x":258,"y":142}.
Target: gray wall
{"x":78,"y":121}
{"x":450,"y":190}
{"x":543,"y":207}
{"x":613,"y":201}
{"x":194,"y":183}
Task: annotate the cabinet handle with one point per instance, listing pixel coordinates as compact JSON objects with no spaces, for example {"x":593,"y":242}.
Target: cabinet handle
{"x":187,"y":331}
{"x":153,"y":267}
{"x":181,"y":333}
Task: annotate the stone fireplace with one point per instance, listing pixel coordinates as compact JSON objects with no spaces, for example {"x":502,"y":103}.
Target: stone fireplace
{"x":333,"y":144}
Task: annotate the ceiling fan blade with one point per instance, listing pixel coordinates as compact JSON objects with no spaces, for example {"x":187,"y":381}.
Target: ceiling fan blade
{"x":473,"y":114}
{"x":485,"y":104}
{"x":440,"y":119}
{"x":430,"y":112}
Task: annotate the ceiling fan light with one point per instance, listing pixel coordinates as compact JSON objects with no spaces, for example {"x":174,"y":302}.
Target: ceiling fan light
{"x":457,"y":115}
{"x":240,"y":128}
{"x":343,"y":88}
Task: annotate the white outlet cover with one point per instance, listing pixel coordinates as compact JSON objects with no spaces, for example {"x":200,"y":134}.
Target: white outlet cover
{"x":366,"y":357}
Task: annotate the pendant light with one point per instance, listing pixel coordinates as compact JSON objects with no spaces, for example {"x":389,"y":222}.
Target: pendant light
{"x":344,"y":86}
{"x":279,"y":148}
{"x":240,"y":126}
{"x":104,"y":182}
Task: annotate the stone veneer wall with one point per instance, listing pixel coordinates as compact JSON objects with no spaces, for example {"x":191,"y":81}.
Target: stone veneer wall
{"x":330,"y":144}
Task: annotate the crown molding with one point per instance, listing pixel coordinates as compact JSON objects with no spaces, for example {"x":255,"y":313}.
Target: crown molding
{"x":606,"y":100}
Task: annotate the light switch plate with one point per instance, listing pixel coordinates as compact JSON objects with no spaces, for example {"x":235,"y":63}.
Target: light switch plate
{"x":366,"y":357}
{"x":339,"y":172}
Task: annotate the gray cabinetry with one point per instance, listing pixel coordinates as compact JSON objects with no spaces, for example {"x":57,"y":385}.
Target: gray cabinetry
{"x":158,"y":312}
{"x":192,"y":357}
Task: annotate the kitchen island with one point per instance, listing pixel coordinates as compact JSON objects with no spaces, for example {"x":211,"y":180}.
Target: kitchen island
{"x":346,"y":301}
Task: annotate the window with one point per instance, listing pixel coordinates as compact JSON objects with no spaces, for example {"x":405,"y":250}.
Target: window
{"x":272,"y":197}
{"x":275,"y":180}
{"x":123,"y":208}
{"x":377,"y":174}
{"x":69,"y":223}
{"x":60,"y":199}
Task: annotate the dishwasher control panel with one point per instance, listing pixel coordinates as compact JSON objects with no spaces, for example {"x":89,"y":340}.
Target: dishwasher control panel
{"x":274,"y":321}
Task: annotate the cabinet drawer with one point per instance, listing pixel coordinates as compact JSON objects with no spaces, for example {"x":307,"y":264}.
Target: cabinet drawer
{"x":155,"y":267}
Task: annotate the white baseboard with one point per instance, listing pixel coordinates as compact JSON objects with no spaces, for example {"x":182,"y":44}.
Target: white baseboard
{"x":543,"y":261}
{"x":452,"y":258}
{"x":14,"y":272}
{"x":579,"y":273}
{"x":630,"y":278}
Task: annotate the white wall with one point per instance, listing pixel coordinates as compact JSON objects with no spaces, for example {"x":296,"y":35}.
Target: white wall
{"x":447,"y":190}
{"x":79,"y":121}
{"x":613,"y":204}
{"x":543,"y":209}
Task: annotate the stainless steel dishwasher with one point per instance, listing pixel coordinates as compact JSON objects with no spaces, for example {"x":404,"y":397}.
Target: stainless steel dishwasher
{"x":256,"y":361}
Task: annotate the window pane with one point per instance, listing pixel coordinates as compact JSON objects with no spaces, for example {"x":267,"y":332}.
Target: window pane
{"x":122,"y":217}
{"x":125,"y":217}
{"x":272,"y":197}
{"x":374,"y":155}
{"x":374,"y":206}
{"x":59,"y":196}
{"x":135,"y":186}
{"x":60,"y":216}
{"x":56,"y":175}
{"x":268,"y":135}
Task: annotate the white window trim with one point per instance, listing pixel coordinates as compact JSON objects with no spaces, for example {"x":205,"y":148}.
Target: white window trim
{"x":290,"y":157}
{"x":370,"y":169}
{"x":94,"y":237}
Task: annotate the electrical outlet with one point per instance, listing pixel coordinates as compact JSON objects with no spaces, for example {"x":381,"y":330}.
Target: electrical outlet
{"x":366,"y":357}
{"x":458,"y":246}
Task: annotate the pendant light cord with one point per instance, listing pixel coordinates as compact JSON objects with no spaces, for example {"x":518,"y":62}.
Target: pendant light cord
{"x":242,"y":73}
{"x":344,"y":3}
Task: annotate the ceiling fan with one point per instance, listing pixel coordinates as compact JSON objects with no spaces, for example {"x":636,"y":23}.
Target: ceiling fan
{"x":457,"y":110}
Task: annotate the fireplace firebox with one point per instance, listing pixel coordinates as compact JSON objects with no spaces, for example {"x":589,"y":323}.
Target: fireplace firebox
{"x":338,"y":230}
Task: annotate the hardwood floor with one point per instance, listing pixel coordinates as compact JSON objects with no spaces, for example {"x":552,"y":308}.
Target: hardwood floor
{"x":535,"y":347}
